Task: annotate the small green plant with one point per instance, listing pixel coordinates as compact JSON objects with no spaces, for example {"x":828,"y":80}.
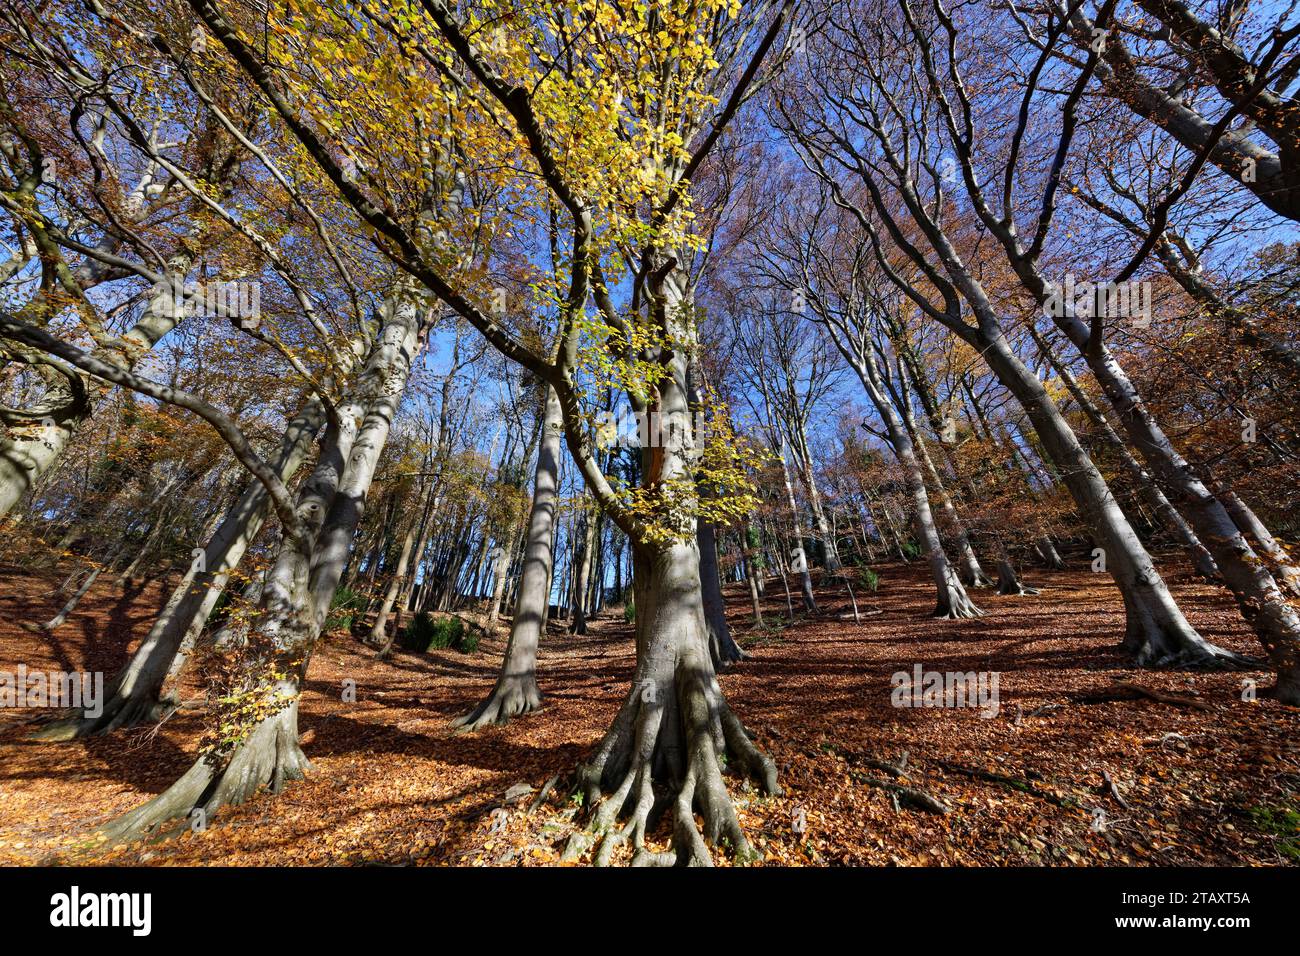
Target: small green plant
{"x":426,"y":632}
{"x":911,"y":550}
{"x":1283,"y":825}
{"x":870,"y":579}
{"x":345,"y":606}
{"x":629,"y":612}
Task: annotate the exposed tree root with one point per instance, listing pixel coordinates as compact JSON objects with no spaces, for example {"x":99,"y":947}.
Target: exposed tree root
{"x":1125,"y":690}
{"x":1196,"y":659}
{"x":513,"y":696}
{"x":1198,"y":654}
{"x":1014,"y":783}
{"x":665,"y":751}
{"x":268,"y":758}
{"x":1009,"y":583}
{"x":904,"y":795}
{"x":723,"y":649}
{"x":1045,"y":548}
{"x":955,"y":606}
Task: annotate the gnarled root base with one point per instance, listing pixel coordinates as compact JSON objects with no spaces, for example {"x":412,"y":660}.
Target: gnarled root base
{"x":667,"y":755}
{"x":268,"y":758}
{"x":1286,"y":690}
{"x":1009,"y":584}
{"x":724,"y":650}
{"x":955,"y":605}
{"x":513,"y":696}
{"x":1186,"y":654}
{"x":975,"y":578}
{"x":1016,"y":589}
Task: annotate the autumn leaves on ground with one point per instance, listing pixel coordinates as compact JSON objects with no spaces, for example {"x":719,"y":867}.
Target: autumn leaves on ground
{"x":1076,"y":768}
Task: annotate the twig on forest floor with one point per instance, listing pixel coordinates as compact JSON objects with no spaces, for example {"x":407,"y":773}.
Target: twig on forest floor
{"x":1036,"y":712}
{"x":899,"y":793}
{"x":543,"y":794}
{"x":1012,"y":782}
{"x":898,"y":769}
{"x":1108,"y":784}
{"x":908,"y":796}
{"x":1126,"y":690}
{"x":1179,"y":740}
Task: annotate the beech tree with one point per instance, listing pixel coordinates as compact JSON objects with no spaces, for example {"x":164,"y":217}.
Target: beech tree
{"x":870,"y":165}
{"x":827,"y":258}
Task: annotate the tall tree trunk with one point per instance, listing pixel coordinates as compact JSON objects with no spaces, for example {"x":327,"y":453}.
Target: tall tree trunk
{"x":951,"y":598}
{"x":1009,"y":582}
{"x":1156,"y":632}
{"x":501,"y":574}
{"x":752,"y":575}
{"x":28,"y":453}
{"x":391,"y":592}
{"x":1047,"y":553}
{"x":801,"y":559}
{"x":723,"y":649}
{"x":516,"y":692}
{"x":910,"y":369}
{"x":134,"y":694}
{"x":674,"y":728}
{"x":1281,"y":563}
{"x":582,"y":568}
{"x":295,"y":600}
{"x":1259,"y":598}
{"x":803,"y":462}
{"x":1201,"y":558}
{"x":970,"y":572}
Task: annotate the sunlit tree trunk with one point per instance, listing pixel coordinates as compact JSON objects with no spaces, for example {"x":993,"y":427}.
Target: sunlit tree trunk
{"x":134,"y":694}
{"x":515,"y":692}
{"x":296,"y":596}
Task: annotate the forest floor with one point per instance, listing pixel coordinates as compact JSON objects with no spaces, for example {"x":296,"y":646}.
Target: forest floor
{"x":1201,"y":778}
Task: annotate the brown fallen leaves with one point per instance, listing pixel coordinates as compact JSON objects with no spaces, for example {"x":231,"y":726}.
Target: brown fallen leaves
{"x":393,"y":785}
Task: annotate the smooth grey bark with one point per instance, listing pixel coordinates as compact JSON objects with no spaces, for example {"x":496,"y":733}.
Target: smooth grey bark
{"x":1274,"y":178}
{"x":1156,"y":632}
{"x":1045,"y":548}
{"x":674,"y":727}
{"x":674,"y":715}
{"x":502,"y":572}
{"x":752,"y":577}
{"x":803,"y":461}
{"x":911,"y":369}
{"x":581,"y":572}
{"x":376,"y":636}
{"x":970,"y":572}
{"x":723,"y":649}
{"x":809,"y":602}
{"x":135,"y":694}
{"x":951,"y":600}
{"x":1259,"y":598}
{"x":60,"y":618}
{"x":515,"y":692}
{"x":295,"y":598}
{"x":1009,"y":582}
{"x":29,"y":452}
{"x":1281,"y":563}
{"x":1200,"y":557}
